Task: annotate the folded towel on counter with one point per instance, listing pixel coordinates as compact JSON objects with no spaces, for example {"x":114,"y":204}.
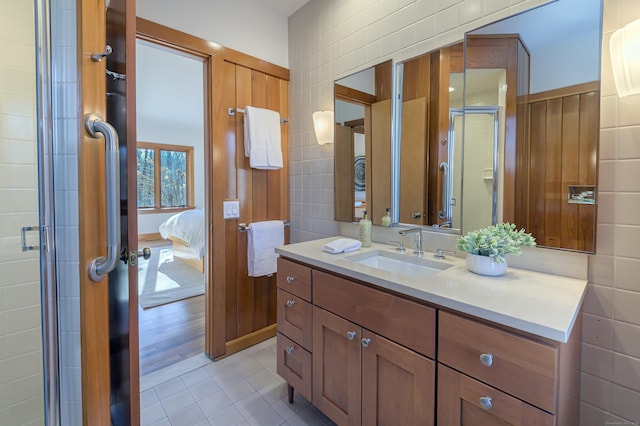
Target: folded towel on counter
{"x":263,"y":238}
{"x":342,"y":245}
{"x":262,"y":142}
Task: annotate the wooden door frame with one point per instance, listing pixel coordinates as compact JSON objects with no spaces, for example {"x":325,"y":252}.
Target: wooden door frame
{"x":214,"y":283}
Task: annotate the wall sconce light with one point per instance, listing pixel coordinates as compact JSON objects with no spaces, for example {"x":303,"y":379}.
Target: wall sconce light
{"x":324,"y":126}
{"x":625,"y":59}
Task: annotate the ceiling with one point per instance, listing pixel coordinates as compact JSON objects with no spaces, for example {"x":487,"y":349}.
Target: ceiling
{"x":285,"y":7}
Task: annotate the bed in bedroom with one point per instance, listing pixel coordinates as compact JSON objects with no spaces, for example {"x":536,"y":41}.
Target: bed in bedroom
{"x":186,"y":232}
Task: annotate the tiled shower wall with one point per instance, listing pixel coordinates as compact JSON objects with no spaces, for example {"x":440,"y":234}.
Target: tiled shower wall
{"x":611,"y":338}
{"x":331,"y":39}
{"x":21,"y":390}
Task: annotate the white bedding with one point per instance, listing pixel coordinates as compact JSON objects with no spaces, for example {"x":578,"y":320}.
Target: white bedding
{"x":189,"y":227}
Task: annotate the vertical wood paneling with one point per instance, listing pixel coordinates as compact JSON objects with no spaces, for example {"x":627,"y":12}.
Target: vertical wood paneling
{"x":563,"y":136}
{"x":413,"y":157}
{"x":344,"y":193}
{"x":553,"y":174}
{"x":521,"y":211}
{"x":570,"y":168}
{"x":536,"y":164}
{"x":244,"y":284}
{"x":380,"y":154}
{"x":273,"y":176}
{"x":231,"y":192}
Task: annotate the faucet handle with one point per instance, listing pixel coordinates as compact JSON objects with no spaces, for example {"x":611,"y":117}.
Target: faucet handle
{"x":440,"y":253}
{"x":400,"y":245}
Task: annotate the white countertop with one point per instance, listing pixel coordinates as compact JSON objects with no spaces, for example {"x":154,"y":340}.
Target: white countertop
{"x":542,"y":304}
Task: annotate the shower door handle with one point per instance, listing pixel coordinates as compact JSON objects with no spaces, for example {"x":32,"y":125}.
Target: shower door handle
{"x":444,"y":213}
{"x":101,"y":266}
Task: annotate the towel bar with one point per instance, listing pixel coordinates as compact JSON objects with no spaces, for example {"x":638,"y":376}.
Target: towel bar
{"x":232,"y":112}
{"x":243,"y":227}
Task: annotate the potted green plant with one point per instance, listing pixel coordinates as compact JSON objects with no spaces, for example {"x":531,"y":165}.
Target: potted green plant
{"x":487,"y":247}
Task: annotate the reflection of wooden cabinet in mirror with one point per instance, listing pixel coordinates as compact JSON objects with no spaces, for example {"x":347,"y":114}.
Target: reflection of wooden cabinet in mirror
{"x":363,"y":108}
{"x":558,"y":149}
{"x":424,"y":133}
{"x":508,"y":52}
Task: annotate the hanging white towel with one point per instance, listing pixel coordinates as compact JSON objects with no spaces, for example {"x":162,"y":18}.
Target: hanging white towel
{"x":263,"y":237}
{"x":262,"y":138}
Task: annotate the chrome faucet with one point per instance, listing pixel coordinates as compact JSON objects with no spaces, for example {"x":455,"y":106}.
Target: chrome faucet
{"x":417,"y":239}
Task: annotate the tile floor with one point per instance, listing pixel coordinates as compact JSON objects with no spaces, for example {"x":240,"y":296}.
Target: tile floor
{"x":243,"y":389}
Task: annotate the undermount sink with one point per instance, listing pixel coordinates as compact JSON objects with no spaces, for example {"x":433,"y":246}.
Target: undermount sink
{"x":405,"y":264}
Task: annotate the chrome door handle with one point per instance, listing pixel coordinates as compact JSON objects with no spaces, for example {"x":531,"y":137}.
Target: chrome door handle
{"x":290,"y":303}
{"x":365,"y":341}
{"x":351,"y":335}
{"x":289,"y":349}
{"x":23,"y":232}
{"x":290,"y":279}
{"x":101,"y":266}
{"x":444,"y":213}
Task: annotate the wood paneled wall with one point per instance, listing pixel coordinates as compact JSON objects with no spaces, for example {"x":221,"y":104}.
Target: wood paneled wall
{"x":263,"y":195}
{"x":559,"y":149}
{"x":239,"y":310}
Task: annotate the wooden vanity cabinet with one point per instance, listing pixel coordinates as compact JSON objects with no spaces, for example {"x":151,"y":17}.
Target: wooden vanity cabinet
{"x":488,"y":375}
{"x":294,"y":316}
{"x":363,"y":377}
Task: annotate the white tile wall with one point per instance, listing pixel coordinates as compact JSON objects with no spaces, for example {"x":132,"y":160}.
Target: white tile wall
{"x":21,"y":375}
{"x":331,"y":39}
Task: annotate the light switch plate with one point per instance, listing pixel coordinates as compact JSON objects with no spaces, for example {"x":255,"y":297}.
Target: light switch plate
{"x":231,"y":209}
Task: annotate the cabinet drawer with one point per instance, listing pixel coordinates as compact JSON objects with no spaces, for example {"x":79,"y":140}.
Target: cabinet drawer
{"x":294,"y":365}
{"x":294,"y":278}
{"x":408,"y":323}
{"x":519,"y":366}
{"x":295,"y":316}
{"x":463,"y":400}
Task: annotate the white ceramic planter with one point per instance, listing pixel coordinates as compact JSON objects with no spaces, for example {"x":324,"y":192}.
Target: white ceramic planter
{"x":484,"y":265}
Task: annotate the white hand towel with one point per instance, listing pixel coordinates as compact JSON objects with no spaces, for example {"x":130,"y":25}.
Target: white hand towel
{"x":263,"y":237}
{"x":342,"y":245}
{"x":262,"y":142}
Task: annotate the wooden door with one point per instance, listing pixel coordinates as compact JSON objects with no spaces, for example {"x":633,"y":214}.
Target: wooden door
{"x":336,"y":367}
{"x":109,"y":352}
{"x":344,"y":171}
{"x":413,"y":161}
{"x":398,"y":385}
{"x":465,"y":401}
{"x":380,"y":170}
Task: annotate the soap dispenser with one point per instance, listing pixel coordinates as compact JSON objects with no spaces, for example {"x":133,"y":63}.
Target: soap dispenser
{"x":386,"y":219}
{"x":365,"y":230}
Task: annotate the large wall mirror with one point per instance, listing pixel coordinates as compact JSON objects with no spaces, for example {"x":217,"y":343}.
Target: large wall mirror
{"x":531,"y":126}
{"x":362,"y":144}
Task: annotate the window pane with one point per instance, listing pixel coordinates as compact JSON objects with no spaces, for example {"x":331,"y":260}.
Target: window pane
{"x":174,"y":178}
{"x":145,"y":163}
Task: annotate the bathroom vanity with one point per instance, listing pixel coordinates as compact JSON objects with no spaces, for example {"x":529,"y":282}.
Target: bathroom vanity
{"x":381,"y":337}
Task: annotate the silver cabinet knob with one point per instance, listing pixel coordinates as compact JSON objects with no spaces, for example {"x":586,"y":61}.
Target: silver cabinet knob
{"x":485,"y":402}
{"x":289,"y":349}
{"x":365,"y":341}
{"x":290,"y":303}
{"x":351,"y":335}
{"x":486,"y":359}
{"x":290,"y":279}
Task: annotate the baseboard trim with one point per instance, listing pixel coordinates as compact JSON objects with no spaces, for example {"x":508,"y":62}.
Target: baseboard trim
{"x":243,"y":342}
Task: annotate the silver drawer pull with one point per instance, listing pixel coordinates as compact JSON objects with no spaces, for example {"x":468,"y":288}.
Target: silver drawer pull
{"x":365,"y":341}
{"x":289,"y":349}
{"x":290,"y":303}
{"x":486,"y":359}
{"x":290,"y":279}
{"x":485,"y":402}
{"x":351,"y":335}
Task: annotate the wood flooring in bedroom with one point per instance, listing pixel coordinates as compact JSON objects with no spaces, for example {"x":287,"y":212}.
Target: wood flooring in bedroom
{"x":170,"y":333}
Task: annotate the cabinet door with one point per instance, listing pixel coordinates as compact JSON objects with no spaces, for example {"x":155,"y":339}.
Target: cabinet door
{"x":398,"y":385}
{"x":465,"y":401}
{"x":336,"y":367}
